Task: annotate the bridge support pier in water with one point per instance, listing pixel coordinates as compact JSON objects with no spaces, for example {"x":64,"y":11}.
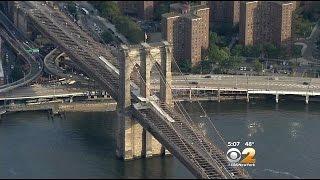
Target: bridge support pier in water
{"x":307,"y":99}
{"x":132,"y":140}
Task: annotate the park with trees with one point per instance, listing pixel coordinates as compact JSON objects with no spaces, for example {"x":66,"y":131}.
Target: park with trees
{"x":125,"y":25}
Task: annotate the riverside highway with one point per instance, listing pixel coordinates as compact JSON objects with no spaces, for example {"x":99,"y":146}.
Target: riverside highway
{"x":247,"y":82}
{"x":215,"y":81}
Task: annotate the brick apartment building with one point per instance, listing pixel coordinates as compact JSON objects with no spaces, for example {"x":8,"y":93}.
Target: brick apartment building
{"x":224,"y":12}
{"x":140,"y":9}
{"x":265,"y":21}
{"x":187,"y":28}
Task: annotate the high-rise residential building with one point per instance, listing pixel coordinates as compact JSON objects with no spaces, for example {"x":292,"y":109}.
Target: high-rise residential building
{"x":141,"y":9}
{"x":224,"y":12}
{"x":295,"y":4}
{"x":187,"y":28}
{"x":265,"y":21}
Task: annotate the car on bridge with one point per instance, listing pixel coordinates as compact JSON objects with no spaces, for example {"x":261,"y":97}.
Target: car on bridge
{"x":193,"y":82}
{"x":305,"y":83}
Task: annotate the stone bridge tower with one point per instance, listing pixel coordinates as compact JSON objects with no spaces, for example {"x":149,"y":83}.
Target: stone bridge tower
{"x":132,"y":140}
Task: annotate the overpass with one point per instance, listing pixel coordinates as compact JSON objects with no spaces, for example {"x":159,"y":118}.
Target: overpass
{"x":15,"y":39}
{"x":160,"y":121}
{"x":212,"y":87}
{"x":51,"y":62}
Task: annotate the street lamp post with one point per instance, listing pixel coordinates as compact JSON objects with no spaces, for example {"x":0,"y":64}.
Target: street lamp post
{"x":247,"y":82}
{"x":236,"y":81}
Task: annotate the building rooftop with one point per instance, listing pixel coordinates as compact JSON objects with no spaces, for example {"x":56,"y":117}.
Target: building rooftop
{"x":191,"y":16}
{"x":171,"y":14}
{"x":282,"y":2}
{"x":198,"y":7}
{"x":177,"y":6}
{"x":277,"y":2}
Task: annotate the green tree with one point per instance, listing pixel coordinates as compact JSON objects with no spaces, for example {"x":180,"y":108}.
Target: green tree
{"x":271,"y":51}
{"x":107,"y":37}
{"x":296,"y":51}
{"x":163,"y":8}
{"x":235,"y":62}
{"x":252,"y":51}
{"x":205,"y":66}
{"x":257,"y":65}
{"x":224,"y":40}
{"x":237,"y":50}
{"x":72,"y":9}
{"x":129,"y":29}
{"x":108,"y":9}
{"x":185,"y":66}
{"x":213,"y":38}
{"x":218,"y":55}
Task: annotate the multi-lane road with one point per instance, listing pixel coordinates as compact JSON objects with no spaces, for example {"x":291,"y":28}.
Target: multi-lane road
{"x":246,"y":82}
{"x":44,"y":91}
{"x":20,"y":43}
{"x":292,"y":84}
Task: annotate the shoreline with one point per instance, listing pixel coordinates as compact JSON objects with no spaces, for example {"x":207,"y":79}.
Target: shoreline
{"x":61,"y":107}
{"x":110,"y":105}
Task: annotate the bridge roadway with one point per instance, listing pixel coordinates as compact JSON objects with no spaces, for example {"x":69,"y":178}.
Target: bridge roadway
{"x":228,"y":83}
{"x":280,"y":83}
{"x":207,"y":81}
{"x":35,"y":66}
{"x":45,"y":91}
{"x":217,"y":81}
{"x":17,"y":41}
{"x":200,"y":156}
{"x":51,"y":65}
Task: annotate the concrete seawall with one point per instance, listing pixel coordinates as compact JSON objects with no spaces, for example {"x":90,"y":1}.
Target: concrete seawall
{"x":87,"y":107}
{"x":90,"y":106}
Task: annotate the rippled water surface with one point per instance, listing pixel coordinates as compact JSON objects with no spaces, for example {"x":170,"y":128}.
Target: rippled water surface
{"x":81,"y":145}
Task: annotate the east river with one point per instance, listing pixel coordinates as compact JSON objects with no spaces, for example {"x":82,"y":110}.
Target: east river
{"x":81,"y":145}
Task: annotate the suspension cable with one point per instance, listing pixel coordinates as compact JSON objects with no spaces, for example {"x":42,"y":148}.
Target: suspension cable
{"x":170,"y":124}
{"x":171,"y":90}
{"x":206,"y":116}
{"x":162,"y":76}
{"x":203,"y":110}
{"x":149,"y":90}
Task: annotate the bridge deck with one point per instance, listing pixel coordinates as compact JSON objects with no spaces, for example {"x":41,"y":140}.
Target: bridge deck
{"x":15,"y":38}
{"x":199,"y":155}
{"x":86,"y":51}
